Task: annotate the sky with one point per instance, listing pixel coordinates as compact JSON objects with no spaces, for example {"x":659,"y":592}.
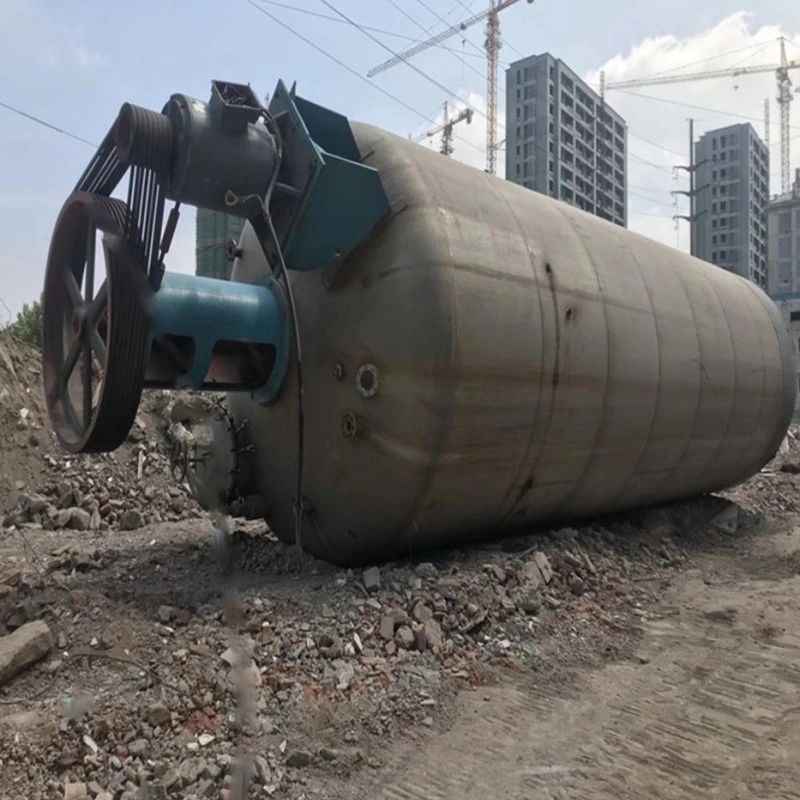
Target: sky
{"x":73,"y":64}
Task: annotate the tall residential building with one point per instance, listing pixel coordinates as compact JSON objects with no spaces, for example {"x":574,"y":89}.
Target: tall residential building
{"x":212,"y":233}
{"x":563,"y":140}
{"x":783,"y":228}
{"x":783,"y":247}
{"x":731,"y":195}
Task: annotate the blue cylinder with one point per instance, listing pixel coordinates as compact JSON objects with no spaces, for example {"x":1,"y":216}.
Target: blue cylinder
{"x":215,"y":314}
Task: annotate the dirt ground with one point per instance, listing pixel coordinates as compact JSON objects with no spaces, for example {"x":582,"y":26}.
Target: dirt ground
{"x":690,"y":689}
{"x":648,"y":655}
{"x":708,"y":704}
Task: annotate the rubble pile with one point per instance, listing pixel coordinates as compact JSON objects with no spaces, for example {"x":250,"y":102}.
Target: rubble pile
{"x":44,"y":487}
{"x":334,"y":662}
{"x":772,"y":492}
{"x":130,"y":670}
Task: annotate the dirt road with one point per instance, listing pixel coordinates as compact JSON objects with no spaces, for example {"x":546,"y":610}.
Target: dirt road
{"x":709,"y":706}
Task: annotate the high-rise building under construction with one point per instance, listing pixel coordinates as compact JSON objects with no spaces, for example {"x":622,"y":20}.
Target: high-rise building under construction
{"x":731,"y":196}
{"x":562,"y":140}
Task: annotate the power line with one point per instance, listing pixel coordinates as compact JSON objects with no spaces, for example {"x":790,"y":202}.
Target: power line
{"x":427,"y":30}
{"x":509,"y":46}
{"x":358,"y":75}
{"x":698,"y":108}
{"x":650,"y":199}
{"x":649,"y":189}
{"x":649,"y":163}
{"x":704,"y":60}
{"x":656,"y":144}
{"x":408,"y":63}
{"x":442,"y":19}
{"x":47,"y":124}
{"x":340,"y":21}
{"x":430,"y":28}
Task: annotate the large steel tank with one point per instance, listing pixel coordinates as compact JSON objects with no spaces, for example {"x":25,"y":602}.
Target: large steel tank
{"x":492,"y":358}
{"x":476,"y":357}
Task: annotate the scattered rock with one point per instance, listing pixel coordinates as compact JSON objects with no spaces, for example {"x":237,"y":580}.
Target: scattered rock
{"x":433,"y":635}
{"x":22,"y":648}
{"x":421,"y":612}
{"x":158,"y":714}
{"x":372,"y":579}
{"x":130,"y":520}
{"x":79,"y":519}
{"x":404,"y":638}
{"x":531,"y":575}
{"x":426,"y":570}
{"x":386,"y":629}
{"x":75,"y":791}
{"x":298,"y":759}
{"x":577,"y":586}
{"x":544,"y":566}
{"x":138,"y":747}
{"x":529,"y":602}
{"x":449,"y":587}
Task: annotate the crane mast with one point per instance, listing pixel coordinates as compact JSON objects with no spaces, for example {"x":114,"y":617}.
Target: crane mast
{"x":784,"y":96}
{"x":446,"y":129}
{"x":492,"y":45}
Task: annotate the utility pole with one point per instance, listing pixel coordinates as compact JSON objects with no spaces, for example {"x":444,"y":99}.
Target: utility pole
{"x":692,"y":168}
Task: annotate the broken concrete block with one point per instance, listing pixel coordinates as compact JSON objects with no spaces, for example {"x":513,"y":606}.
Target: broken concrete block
{"x":25,"y":646}
{"x":544,"y":566}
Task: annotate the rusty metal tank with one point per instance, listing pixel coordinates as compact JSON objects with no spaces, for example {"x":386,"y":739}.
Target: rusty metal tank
{"x":491,"y":358}
{"x":476,"y":357}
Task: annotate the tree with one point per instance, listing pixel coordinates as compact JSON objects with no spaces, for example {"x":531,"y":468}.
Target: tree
{"x":28,"y":324}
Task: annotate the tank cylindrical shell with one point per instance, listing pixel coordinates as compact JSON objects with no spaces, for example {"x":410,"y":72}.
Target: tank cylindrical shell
{"x":526,"y":362}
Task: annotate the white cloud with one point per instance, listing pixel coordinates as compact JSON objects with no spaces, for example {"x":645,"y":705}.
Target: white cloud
{"x":658,"y":128}
{"x":658,"y":116}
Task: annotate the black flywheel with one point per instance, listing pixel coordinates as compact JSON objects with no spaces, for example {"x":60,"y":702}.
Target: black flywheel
{"x":95,"y":327}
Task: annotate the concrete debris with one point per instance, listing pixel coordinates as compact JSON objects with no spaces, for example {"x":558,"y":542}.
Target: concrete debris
{"x":434,"y":637}
{"x":333,"y":673}
{"x":531,"y":575}
{"x":138,"y":748}
{"x":372,"y":579}
{"x":426,"y":571}
{"x":387,"y":627}
{"x":27,"y":645}
{"x":158,"y":715}
{"x":404,"y":638}
{"x":298,"y":758}
{"x":75,"y":791}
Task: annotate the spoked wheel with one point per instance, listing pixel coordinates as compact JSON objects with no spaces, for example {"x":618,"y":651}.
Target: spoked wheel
{"x":95,"y":329}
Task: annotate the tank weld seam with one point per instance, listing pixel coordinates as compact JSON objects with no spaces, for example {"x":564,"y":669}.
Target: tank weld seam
{"x":691,"y":436}
{"x":657,"y":406}
{"x":515,"y":486}
{"x":724,"y":436}
{"x":591,"y":458}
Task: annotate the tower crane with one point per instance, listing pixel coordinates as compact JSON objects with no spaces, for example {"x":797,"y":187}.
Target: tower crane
{"x":446,"y":129}
{"x":492,"y":45}
{"x":784,"y":94}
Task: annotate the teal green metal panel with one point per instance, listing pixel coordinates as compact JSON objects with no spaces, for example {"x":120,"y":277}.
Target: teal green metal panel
{"x":339,"y":200}
{"x":346,"y":202}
